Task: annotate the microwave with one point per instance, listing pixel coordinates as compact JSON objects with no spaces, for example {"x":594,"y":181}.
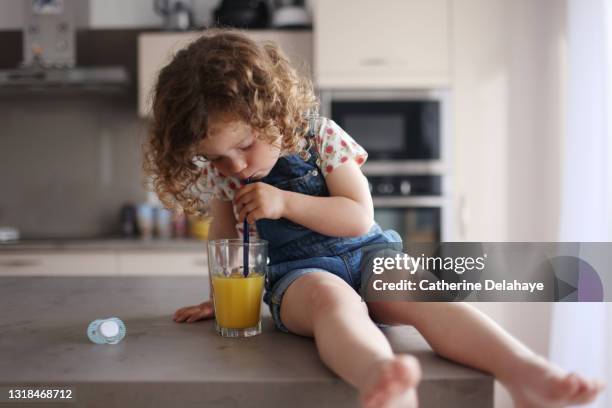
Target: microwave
{"x":391,"y":125}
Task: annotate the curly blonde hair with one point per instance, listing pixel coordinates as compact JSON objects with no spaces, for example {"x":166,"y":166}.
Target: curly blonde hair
{"x":222,"y":71}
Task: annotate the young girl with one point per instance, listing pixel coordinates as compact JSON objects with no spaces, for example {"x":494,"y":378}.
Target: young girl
{"x":226,"y":110}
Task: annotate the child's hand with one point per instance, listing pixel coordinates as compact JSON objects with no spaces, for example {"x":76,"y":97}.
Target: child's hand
{"x":259,"y":200}
{"x":203,"y":311}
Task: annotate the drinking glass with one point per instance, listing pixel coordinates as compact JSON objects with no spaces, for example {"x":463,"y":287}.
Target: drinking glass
{"x":237,"y":290}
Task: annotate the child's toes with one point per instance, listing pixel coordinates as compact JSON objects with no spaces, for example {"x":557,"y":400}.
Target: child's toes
{"x":409,"y":370}
{"x":587,"y":393}
{"x":377,"y":397}
{"x":559,"y":389}
{"x":568,"y":387}
{"x":395,"y":378}
{"x":574,"y":389}
{"x":373,"y":400}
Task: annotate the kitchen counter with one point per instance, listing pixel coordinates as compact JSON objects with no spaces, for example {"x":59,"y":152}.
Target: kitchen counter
{"x":162,"y":363}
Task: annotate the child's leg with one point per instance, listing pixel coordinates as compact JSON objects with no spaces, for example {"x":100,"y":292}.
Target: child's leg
{"x":323,"y":306}
{"x":461,"y":333}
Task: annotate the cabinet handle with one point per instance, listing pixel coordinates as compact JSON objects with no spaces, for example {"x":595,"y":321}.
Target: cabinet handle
{"x":463,"y":217}
{"x":20,"y":263}
{"x":374,"y":62}
{"x":200,"y":262}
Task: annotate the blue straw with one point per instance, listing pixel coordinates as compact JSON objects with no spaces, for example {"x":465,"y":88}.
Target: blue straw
{"x":245,"y":241}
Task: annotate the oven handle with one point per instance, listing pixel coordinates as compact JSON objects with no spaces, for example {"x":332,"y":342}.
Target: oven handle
{"x":408,"y":202}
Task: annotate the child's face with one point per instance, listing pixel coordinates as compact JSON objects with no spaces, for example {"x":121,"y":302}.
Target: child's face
{"x":233,"y":149}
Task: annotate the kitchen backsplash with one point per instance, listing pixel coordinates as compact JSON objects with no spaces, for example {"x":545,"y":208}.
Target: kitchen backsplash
{"x":69,"y":161}
{"x":67,"y":165}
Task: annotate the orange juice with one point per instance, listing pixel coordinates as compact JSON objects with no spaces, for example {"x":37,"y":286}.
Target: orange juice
{"x":238,"y":300}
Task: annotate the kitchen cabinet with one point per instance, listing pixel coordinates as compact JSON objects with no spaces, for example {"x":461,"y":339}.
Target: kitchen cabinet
{"x":155,"y":50}
{"x":114,"y":262}
{"x":508,"y":118}
{"x":164,"y":263}
{"x":389,"y":44}
{"x":25,"y":263}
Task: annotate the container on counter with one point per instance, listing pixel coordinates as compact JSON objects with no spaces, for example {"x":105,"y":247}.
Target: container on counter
{"x":9,"y":234}
{"x":145,"y":220}
{"x":127,"y":219}
{"x":179,"y":225}
{"x":163,"y":223}
{"x":200,"y":227}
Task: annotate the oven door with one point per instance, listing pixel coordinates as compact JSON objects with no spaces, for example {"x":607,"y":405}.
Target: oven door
{"x":414,"y":223}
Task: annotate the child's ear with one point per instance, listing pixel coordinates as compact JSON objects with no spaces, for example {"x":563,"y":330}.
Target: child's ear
{"x":276,"y":143}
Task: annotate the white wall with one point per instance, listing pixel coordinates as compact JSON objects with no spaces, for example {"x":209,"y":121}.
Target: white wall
{"x":119,"y":14}
{"x":139,"y":13}
{"x":508,"y":98}
{"x":537,"y":87}
{"x":11,"y":14}
{"x":101,"y":14}
{"x":508,"y":92}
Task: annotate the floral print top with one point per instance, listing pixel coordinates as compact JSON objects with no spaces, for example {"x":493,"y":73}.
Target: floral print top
{"x":333,"y":145}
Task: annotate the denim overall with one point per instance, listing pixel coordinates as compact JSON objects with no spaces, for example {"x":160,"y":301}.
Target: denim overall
{"x":295,"y":250}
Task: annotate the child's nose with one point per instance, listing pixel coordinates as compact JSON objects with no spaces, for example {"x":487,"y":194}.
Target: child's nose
{"x":237,"y":166}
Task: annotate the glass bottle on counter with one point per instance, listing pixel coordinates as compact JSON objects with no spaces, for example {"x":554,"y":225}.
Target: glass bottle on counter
{"x":163,"y":223}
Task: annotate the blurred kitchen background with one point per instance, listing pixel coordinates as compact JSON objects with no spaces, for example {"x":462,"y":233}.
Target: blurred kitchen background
{"x":491,"y":119}
{"x":471,"y":96}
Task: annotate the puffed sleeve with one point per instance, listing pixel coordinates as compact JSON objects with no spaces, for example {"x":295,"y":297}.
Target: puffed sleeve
{"x":222,"y":187}
{"x":336,"y":147}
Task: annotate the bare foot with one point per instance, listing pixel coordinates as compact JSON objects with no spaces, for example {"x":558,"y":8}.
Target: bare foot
{"x":394,"y":383}
{"x":538,"y":383}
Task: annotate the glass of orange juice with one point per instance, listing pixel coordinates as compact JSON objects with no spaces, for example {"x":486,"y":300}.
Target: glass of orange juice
{"x":237,"y":290}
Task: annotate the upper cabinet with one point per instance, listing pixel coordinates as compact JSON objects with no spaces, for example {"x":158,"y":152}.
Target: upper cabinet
{"x":384,"y":44}
{"x":155,"y":50}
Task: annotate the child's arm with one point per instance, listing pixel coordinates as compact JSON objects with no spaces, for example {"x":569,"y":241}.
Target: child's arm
{"x":223,"y":225}
{"x":347,"y":212}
